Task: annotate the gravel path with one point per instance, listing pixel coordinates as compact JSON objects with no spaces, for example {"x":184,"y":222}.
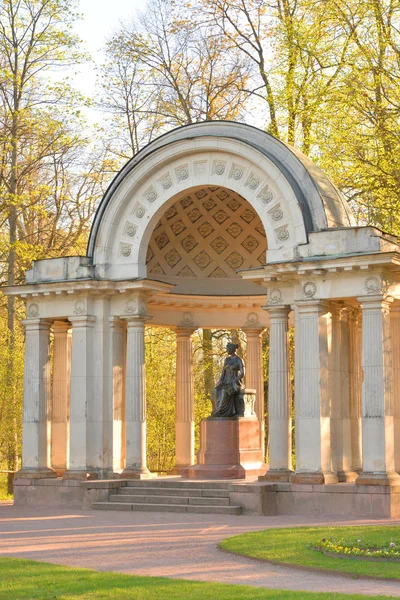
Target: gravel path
{"x":166,"y":544}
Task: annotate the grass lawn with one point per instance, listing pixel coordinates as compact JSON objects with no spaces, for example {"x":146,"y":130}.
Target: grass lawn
{"x":291,"y":546}
{"x":26,"y":579}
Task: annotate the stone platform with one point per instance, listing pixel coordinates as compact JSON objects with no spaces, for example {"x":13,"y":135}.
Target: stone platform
{"x":254,"y":498}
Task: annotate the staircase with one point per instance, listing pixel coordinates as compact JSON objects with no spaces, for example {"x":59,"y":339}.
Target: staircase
{"x":171,"y":495}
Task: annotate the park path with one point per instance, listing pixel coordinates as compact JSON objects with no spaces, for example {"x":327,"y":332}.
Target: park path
{"x":166,"y":544}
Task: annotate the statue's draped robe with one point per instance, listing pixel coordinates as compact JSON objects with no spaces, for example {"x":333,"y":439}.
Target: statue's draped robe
{"x":229,"y":387}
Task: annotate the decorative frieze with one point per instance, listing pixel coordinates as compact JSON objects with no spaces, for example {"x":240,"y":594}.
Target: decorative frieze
{"x":150,"y":195}
{"x":309,"y":289}
{"x":182,"y":173}
{"x":274,"y":296}
{"x":282,"y":234}
{"x":252,"y":182}
{"x":32,"y":311}
{"x":252,"y":320}
{"x":266,"y":196}
{"x":80,"y":307}
{"x":166,"y":181}
{"x":130,"y":229}
{"x":218,"y":167}
{"x":125,"y":249}
{"x":236,"y":172}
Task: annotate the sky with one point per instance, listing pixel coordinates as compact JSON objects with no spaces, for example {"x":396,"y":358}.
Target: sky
{"x":100,"y":19}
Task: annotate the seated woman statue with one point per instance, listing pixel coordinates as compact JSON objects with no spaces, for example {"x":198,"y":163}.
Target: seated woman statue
{"x":229,"y":390}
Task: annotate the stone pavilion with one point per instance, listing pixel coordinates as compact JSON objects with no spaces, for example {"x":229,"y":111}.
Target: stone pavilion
{"x":218,"y":225}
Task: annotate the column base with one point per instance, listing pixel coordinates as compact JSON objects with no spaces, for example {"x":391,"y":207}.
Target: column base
{"x":313,"y":478}
{"x":41,"y":473}
{"x":132,"y":473}
{"x":366,"y":478}
{"x":347,"y":476}
{"x":274,"y":475}
{"x":78,"y":474}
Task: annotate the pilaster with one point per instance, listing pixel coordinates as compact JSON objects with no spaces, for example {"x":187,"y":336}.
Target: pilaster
{"x":36,"y":409}
{"x":313,"y":416}
{"x":377,"y":394}
{"x":135,"y":389}
{"x":395,"y":338}
{"x":81,"y":396}
{"x":355,"y":371}
{"x":279,"y":396}
{"x":60,"y":397}
{"x":339,"y":379}
{"x":254,"y":376}
{"x":184,"y":400}
{"x":117,"y":349}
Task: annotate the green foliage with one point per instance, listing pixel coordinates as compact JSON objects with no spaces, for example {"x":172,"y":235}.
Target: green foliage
{"x":29,"y":580}
{"x":294,"y":546}
{"x":160,"y":397}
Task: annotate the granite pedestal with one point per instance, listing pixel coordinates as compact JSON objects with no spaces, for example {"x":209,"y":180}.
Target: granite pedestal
{"x":229,"y":449}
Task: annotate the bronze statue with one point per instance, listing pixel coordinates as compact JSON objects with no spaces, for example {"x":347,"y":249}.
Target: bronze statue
{"x":229,"y":390}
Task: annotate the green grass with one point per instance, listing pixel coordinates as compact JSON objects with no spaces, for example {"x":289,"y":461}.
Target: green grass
{"x":29,"y":580}
{"x":291,"y":546}
{"x":3,"y":488}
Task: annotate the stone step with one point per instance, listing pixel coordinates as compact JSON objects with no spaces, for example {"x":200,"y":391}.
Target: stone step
{"x":178,"y":483}
{"x":178,"y":508}
{"x":139,"y":499}
{"x":184,"y":492}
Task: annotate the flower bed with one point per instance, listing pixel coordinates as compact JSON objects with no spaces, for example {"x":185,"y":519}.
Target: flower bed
{"x":361,"y":548}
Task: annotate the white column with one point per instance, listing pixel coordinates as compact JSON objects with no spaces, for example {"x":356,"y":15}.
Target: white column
{"x":377,"y":395}
{"x":395,"y":335}
{"x":279,"y":396}
{"x":355,"y":387}
{"x":340,"y":393}
{"x":35,"y":430}
{"x":135,"y":390}
{"x":60,"y":398}
{"x":184,"y":400}
{"x":312,"y":398}
{"x":254,"y":375}
{"x":117,"y":382}
{"x":81,"y":396}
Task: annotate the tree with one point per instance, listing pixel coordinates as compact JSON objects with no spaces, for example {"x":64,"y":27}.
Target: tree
{"x":163,"y":71}
{"x":41,"y":138}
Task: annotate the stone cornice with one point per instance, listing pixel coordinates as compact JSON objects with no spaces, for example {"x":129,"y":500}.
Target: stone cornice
{"x":325,"y":265}
{"x":87,"y":286}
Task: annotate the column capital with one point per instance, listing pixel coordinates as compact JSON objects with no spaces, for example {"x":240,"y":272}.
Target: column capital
{"x":376,"y":301}
{"x":82,"y":321}
{"x":395,"y":307}
{"x":133,"y":321}
{"x":277,"y":311}
{"x":116,"y":322}
{"x":312,"y":306}
{"x":37,"y":324}
{"x":61,"y":327}
{"x":184,"y":331}
{"x":253,"y":330}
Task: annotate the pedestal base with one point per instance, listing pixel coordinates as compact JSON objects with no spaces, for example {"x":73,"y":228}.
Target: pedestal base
{"x":130,"y":473}
{"x":80,"y":475}
{"x":317,"y":478}
{"x":42,"y":473}
{"x":276,"y":475}
{"x":382,"y":479}
{"x":229,"y":449}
